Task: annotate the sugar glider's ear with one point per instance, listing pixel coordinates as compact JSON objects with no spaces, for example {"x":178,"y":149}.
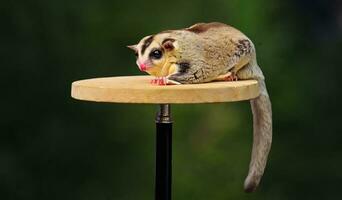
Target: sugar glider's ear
{"x":169,"y":44}
{"x":133,"y":47}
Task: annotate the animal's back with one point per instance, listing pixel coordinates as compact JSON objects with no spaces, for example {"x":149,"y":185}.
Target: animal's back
{"x":214,"y":46}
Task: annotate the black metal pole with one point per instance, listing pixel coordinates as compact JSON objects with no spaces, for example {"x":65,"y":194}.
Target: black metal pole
{"x":163,"y":177}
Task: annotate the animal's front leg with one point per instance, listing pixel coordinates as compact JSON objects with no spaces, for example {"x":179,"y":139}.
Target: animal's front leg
{"x":155,"y":80}
{"x":163,"y":81}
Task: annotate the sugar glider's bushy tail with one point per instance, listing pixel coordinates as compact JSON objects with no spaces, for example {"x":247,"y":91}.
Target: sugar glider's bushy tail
{"x":262,"y":137}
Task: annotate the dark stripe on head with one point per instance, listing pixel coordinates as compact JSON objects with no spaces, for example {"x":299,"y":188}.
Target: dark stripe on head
{"x":147,"y":43}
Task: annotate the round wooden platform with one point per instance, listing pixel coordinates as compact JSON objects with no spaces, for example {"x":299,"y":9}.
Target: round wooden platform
{"x":137,"y":89}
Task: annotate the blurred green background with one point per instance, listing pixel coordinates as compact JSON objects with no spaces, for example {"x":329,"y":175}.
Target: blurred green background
{"x":55,"y":147}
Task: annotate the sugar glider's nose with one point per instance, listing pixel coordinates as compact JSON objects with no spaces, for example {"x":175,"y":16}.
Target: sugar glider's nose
{"x":142,"y":66}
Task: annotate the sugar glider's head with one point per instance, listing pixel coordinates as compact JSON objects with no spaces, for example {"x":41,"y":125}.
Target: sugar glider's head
{"x":154,"y":51}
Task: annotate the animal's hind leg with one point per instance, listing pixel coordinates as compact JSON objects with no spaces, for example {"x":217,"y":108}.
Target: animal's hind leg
{"x":250,"y":71}
{"x":235,"y":64}
{"x":230,"y":76}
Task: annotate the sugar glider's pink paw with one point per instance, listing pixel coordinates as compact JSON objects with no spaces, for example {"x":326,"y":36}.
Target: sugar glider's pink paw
{"x":231,"y":77}
{"x":154,"y":81}
{"x":159,"y":81}
{"x":163,"y":81}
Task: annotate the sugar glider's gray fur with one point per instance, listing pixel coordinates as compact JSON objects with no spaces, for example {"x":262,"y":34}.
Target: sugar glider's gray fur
{"x":205,"y":52}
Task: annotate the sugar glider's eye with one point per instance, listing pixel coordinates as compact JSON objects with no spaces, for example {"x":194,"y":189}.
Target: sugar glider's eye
{"x":156,"y":54}
{"x":136,"y":54}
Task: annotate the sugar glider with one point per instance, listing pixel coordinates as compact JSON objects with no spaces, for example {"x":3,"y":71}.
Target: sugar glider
{"x":206,"y":52}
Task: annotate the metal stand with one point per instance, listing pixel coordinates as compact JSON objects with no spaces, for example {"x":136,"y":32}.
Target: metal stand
{"x":163,"y":153}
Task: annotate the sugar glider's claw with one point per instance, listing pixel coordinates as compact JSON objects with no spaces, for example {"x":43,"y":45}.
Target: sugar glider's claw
{"x":154,"y":81}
